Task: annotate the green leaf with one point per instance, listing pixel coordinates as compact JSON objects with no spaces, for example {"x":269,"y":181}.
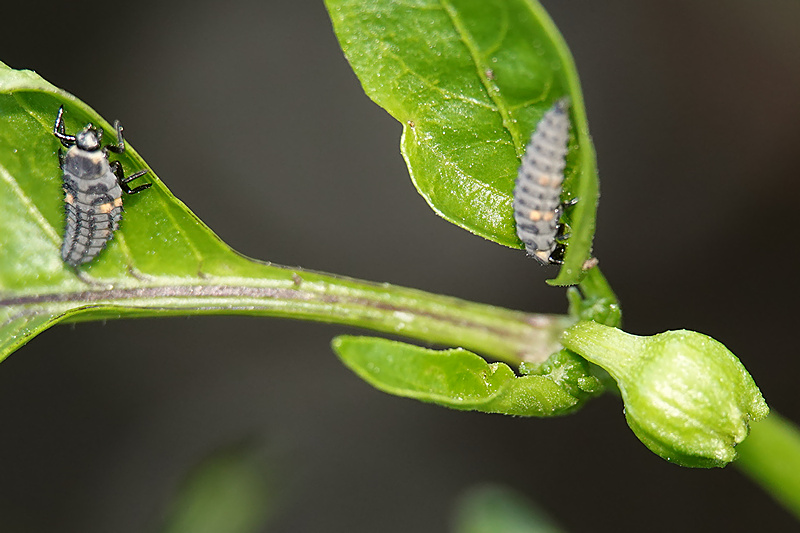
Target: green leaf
{"x":469,"y":80}
{"x":459,"y":379}
{"x":497,"y":509}
{"x":230,"y":491}
{"x":160,"y":241}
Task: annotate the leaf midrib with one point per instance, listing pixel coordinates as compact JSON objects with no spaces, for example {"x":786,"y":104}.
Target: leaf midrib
{"x":499,"y":333}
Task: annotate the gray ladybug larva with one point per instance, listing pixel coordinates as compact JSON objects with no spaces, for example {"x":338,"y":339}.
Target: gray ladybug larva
{"x":537,"y":192}
{"x":93,"y":190}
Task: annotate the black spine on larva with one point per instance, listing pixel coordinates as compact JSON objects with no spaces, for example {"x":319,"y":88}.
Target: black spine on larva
{"x":87,"y":232}
{"x":537,"y":193}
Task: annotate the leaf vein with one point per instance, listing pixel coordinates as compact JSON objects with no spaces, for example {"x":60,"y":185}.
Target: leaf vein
{"x":533,"y":101}
{"x":496,"y":45}
{"x":482,"y":67}
{"x":430,"y":83}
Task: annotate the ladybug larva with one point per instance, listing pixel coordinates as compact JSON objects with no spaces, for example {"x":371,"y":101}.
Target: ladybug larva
{"x":93,"y":189}
{"x":537,"y":192}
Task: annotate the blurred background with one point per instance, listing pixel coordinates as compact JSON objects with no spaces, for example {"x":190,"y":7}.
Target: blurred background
{"x":249,"y":112}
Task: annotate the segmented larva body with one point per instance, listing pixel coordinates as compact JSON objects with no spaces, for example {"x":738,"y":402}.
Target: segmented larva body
{"x":93,"y":189}
{"x":93,"y":201}
{"x":537,"y":193}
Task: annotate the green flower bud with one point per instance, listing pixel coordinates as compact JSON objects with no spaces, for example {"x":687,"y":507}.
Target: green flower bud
{"x":686,"y":396}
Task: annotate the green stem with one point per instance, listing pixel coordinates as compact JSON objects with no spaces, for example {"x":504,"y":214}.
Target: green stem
{"x":770,"y":456}
{"x":610,"y":348}
{"x":272,"y":290}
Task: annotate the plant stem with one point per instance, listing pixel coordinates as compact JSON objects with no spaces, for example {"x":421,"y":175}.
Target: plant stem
{"x":272,"y":290}
{"x":770,"y":456}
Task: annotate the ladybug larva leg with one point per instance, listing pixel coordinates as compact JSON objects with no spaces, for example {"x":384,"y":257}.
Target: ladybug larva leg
{"x":570,"y":202}
{"x":135,"y":175}
{"x":557,"y":257}
{"x":58,"y":130}
{"x":116,"y":168}
{"x":120,"y":146}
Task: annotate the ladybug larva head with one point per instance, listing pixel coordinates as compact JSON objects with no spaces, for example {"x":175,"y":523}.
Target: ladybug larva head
{"x":89,"y":138}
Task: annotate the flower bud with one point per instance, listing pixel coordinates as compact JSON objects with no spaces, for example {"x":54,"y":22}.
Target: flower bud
{"x":686,"y":396}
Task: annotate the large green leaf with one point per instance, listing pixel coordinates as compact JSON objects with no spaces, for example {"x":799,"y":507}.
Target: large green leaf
{"x":469,"y":80}
{"x":160,"y":244}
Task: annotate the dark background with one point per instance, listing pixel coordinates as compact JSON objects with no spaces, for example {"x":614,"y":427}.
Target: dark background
{"x":249,"y":112}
